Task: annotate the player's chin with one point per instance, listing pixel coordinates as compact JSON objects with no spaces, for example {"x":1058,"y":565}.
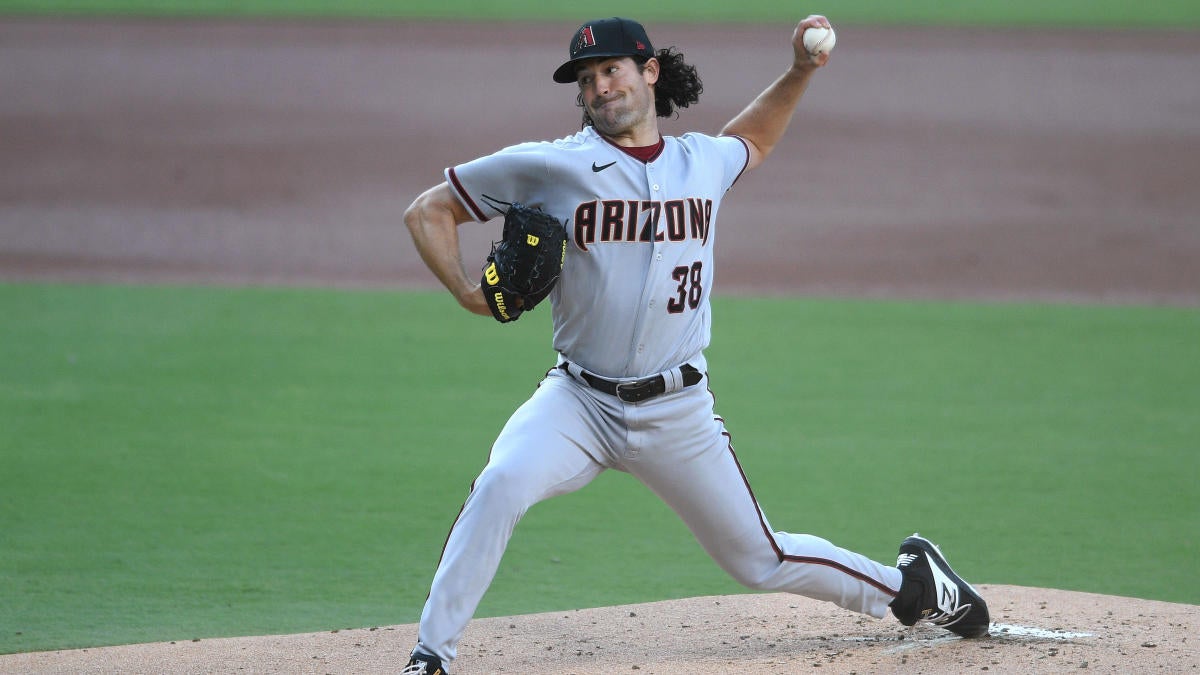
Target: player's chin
{"x":611,"y":120}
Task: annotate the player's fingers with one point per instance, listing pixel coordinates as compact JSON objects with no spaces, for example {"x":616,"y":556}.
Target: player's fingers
{"x":812,"y":21}
{"x":815,"y":20}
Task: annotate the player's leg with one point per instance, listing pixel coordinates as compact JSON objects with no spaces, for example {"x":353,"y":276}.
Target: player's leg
{"x":537,"y":455}
{"x":693,"y":468}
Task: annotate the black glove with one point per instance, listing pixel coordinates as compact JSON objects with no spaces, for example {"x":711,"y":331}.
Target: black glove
{"x":524,"y":266}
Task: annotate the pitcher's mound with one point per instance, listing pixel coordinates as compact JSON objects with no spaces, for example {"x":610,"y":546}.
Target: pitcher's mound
{"x":1033,"y":631}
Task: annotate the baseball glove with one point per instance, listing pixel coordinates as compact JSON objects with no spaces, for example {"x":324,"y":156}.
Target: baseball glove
{"x":525,"y":264}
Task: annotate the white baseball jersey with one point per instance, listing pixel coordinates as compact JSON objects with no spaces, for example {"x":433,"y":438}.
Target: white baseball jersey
{"x":633,"y":299}
{"x":632,"y":302}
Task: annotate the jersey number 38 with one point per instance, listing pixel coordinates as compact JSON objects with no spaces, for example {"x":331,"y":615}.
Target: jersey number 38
{"x":690,"y":290}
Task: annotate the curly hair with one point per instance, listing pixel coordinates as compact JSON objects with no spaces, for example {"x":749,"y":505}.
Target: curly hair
{"x":678,"y":84}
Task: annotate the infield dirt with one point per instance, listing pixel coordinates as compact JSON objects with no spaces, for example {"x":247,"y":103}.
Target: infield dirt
{"x":993,"y":165}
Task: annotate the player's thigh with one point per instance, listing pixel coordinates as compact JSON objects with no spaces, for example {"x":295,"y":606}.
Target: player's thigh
{"x":549,"y":445}
{"x":698,"y":475}
{"x":713,"y":497}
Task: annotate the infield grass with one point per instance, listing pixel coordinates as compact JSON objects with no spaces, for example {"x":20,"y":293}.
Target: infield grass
{"x":190,"y":462}
{"x":1154,"y":13}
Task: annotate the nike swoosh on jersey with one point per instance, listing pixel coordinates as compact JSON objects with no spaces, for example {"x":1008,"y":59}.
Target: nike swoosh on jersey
{"x":598,"y":169}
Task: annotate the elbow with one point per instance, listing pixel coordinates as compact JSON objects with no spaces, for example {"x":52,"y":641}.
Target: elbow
{"x":418,"y":214}
{"x":412,"y":217}
{"x":433,"y":208}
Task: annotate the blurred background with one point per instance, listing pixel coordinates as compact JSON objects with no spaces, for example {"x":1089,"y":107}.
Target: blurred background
{"x":1039,"y":151}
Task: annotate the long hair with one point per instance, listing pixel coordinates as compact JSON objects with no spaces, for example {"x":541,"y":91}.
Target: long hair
{"x":678,"y":84}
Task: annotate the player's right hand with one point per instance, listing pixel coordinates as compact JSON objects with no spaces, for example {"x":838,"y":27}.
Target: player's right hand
{"x":802,"y":60}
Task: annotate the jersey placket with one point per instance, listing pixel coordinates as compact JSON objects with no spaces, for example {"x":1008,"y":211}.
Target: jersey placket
{"x":649,"y":304}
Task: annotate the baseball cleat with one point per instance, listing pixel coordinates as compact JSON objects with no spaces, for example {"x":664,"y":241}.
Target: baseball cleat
{"x":423,"y":664}
{"x":933,"y":593}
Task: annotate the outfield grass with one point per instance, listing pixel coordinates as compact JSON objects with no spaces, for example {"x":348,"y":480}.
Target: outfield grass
{"x":1157,"y":13}
{"x":182,"y":462}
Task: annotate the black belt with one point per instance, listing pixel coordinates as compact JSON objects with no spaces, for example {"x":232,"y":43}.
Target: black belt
{"x":639,"y":390}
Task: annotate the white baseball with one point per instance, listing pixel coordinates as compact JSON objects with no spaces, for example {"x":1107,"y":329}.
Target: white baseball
{"x":818,"y":40}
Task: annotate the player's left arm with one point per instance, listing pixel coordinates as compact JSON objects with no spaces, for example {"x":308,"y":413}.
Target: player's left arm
{"x":433,"y":220}
{"x":763,"y":123}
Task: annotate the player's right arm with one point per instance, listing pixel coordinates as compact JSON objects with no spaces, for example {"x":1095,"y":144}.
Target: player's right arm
{"x":433,"y":219}
{"x":762,"y":123}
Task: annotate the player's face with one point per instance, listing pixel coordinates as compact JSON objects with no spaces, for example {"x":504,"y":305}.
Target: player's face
{"x":617,"y":94}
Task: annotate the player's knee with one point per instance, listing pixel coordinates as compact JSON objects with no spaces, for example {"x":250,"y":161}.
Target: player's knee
{"x":755,"y":582}
{"x":502,"y":488}
{"x":752,"y":572}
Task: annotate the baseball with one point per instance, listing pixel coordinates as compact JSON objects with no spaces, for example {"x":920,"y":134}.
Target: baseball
{"x":818,"y":40}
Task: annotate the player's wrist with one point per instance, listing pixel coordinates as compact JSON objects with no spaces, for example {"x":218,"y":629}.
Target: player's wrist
{"x":803,"y":67}
{"x":470,"y":297}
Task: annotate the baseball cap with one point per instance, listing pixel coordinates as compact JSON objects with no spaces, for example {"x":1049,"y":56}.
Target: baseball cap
{"x":604,"y":38}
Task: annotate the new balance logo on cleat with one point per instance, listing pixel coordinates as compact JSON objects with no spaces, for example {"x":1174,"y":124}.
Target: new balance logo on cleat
{"x":949,"y":610}
{"x":933,"y":593}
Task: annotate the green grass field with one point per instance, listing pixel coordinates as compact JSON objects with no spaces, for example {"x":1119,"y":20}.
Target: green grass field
{"x":1157,"y":13}
{"x":192,"y":462}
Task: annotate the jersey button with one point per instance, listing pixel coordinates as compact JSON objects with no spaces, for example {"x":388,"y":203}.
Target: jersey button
{"x":656,"y":187}
{"x":641,"y":348}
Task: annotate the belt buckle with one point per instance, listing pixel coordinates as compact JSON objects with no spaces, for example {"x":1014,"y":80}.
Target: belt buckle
{"x":638,"y":390}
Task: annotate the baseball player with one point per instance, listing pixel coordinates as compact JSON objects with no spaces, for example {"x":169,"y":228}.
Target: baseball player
{"x":631,"y":316}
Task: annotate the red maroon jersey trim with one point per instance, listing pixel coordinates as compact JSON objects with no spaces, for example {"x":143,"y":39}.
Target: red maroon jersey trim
{"x":462,"y":192}
{"x":744,"y":164}
{"x":783,"y":557}
{"x":644,"y":154}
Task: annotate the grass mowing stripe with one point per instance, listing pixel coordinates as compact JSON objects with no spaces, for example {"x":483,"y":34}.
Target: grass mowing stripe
{"x":1160,"y":13}
{"x":182,"y":462}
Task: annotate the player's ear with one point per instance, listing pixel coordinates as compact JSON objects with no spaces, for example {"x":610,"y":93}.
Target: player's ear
{"x":650,"y":71}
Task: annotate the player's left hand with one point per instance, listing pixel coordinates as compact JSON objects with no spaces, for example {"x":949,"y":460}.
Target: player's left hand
{"x":803,"y":59}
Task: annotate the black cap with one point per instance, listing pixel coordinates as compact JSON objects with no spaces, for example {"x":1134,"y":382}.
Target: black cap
{"x":604,"y":38}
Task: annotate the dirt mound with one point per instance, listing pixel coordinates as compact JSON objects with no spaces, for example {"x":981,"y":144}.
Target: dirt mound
{"x":1033,"y":631}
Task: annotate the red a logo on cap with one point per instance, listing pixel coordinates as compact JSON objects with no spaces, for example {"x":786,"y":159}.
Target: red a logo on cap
{"x":585,"y":38}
